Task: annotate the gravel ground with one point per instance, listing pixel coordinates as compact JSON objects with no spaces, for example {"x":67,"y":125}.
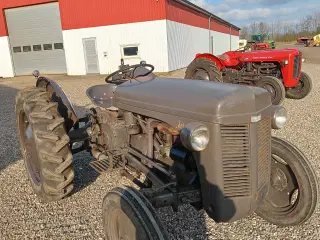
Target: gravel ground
{"x":22,"y":216}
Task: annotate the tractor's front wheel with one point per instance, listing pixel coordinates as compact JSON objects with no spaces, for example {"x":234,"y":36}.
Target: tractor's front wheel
{"x":128,"y":215}
{"x":274,"y":86}
{"x":44,"y":144}
{"x":293,"y":193}
{"x":302,"y":89}
{"x":203,"y":69}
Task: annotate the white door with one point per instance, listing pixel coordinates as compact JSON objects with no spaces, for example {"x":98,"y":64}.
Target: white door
{"x":90,"y":54}
{"x":36,"y":40}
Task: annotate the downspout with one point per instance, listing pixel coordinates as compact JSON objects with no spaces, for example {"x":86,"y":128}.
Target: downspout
{"x":210,"y":44}
{"x":230,"y":37}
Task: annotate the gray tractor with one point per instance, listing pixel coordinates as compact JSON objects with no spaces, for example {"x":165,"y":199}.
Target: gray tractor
{"x":180,"y":141}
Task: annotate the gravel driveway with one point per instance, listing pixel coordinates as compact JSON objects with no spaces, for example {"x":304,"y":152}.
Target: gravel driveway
{"x":22,"y":216}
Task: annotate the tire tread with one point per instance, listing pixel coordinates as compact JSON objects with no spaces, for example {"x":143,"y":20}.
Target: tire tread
{"x":57,"y":174}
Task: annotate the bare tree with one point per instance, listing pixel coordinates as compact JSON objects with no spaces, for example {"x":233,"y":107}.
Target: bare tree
{"x":316,"y":22}
{"x":244,"y":33}
{"x":253,"y":28}
{"x":263,"y":28}
{"x":285,"y":31}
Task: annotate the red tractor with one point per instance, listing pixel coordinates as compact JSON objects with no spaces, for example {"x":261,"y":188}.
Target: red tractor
{"x":278,"y":71}
{"x":261,"y":46}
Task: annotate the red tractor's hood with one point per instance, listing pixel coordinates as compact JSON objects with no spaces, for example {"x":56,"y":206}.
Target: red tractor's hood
{"x":264,"y":55}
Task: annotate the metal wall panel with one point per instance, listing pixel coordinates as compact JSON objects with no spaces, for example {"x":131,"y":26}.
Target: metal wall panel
{"x":184,"y":42}
{"x":32,"y":27}
{"x":91,"y":57}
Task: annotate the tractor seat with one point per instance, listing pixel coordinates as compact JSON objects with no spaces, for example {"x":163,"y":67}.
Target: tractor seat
{"x":227,"y":60}
{"x":223,"y":57}
{"x":102,"y":96}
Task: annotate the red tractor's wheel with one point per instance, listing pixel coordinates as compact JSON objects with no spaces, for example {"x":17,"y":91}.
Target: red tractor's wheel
{"x":203,"y":69}
{"x":302,"y":89}
{"x":275,"y":87}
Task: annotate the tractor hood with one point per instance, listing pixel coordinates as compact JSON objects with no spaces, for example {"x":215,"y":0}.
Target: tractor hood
{"x":190,"y":99}
{"x":265,"y":55}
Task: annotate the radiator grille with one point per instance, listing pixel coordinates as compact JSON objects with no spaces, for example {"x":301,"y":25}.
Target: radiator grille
{"x":264,"y":138}
{"x":296,"y":66}
{"x":236,"y":160}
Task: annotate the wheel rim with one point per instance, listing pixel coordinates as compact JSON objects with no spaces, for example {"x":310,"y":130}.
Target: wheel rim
{"x":29,"y":149}
{"x":200,"y":74}
{"x":121,"y":227}
{"x":283,"y":195}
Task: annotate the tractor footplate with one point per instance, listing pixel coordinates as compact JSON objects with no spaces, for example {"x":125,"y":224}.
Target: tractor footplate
{"x":108,"y":164}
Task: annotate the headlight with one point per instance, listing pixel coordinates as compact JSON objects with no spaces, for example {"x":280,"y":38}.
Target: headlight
{"x":195,"y":136}
{"x":285,"y":62}
{"x":279,"y":117}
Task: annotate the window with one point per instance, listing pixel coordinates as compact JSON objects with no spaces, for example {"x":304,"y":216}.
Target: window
{"x":47,"y":46}
{"x":130,"y":51}
{"x":58,"y":46}
{"x":37,"y":48}
{"x":26,"y":48}
{"x":16,"y":49}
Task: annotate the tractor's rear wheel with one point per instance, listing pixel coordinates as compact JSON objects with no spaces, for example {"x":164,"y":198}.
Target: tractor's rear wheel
{"x":203,"y":69}
{"x":44,"y":144}
{"x":274,"y":86}
{"x":302,"y":89}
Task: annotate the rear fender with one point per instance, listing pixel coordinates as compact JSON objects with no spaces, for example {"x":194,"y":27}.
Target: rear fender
{"x":65,"y":107}
{"x":211,"y":57}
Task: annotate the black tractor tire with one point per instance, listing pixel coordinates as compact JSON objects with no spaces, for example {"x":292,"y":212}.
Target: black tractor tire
{"x":302,"y":89}
{"x":274,"y":86}
{"x":44,"y":144}
{"x":299,"y":175}
{"x":128,"y":215}
{"x":203,"y":69}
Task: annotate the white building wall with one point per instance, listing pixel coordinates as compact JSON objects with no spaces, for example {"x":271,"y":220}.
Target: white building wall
{"x":6,"y":67}
{"x":185,"y":41}
{"x":151,"y":37}
{"x":221,"y":42}
{"x":234,"y":42}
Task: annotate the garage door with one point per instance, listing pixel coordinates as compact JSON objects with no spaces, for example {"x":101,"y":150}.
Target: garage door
{"x":36,"y":41}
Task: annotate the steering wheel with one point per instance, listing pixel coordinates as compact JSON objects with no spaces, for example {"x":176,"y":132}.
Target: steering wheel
{"x":127,"y":72}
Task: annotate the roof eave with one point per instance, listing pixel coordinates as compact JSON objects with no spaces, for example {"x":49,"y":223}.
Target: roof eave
{"x":199,"y":9}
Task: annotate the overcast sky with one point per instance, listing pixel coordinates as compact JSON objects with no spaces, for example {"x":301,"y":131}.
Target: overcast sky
{"x":242,"y":12}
